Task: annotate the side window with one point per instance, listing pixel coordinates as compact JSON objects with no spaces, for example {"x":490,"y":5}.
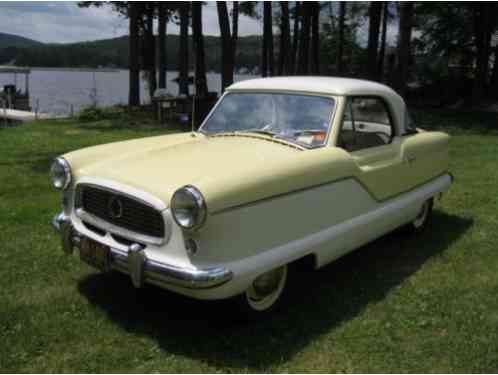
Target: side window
{"x":411,"y":127}
{"x":366,"y":124}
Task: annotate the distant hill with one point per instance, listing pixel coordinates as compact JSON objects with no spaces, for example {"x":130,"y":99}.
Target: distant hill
{"x":114,"y":52}
{"x":11,"y":40}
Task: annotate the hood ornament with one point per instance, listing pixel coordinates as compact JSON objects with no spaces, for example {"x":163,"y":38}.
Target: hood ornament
{"x":115,"y":208}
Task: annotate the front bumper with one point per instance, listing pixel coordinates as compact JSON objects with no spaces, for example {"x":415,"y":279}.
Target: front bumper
{"x":145,"y":270}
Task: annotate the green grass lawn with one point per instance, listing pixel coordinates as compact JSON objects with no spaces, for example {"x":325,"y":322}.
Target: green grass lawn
{"x":402,"y":304}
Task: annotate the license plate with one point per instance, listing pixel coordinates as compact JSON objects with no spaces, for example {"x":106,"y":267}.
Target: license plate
{"x":95,"y":254}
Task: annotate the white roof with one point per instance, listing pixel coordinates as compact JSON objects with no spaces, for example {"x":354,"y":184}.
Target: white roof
{"x":323,"y":85}
{"x":328,"y":86}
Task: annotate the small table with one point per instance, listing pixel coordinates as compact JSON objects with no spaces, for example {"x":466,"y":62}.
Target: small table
{"x":169,"y":106}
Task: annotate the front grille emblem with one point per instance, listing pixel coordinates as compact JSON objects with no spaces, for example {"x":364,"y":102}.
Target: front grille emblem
{"x":119,"y":210}
{"x":115,"y":208}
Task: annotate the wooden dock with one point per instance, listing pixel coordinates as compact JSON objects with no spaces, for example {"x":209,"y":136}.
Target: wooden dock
{"x":11,"y":97}
{"x":22,"y":116}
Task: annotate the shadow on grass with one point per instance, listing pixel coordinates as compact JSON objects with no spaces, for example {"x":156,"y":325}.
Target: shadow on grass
{"x":323,"y":299}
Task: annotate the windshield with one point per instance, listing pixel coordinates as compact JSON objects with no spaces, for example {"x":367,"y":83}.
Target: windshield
{"x":300,"y":119}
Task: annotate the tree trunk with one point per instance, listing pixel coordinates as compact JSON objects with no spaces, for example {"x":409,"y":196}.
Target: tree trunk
{"x":226,"y":45}
{"x":494,"y":75}
{"x":295,"y":35}
{"x":482,"y":35}
{"x":264,"y":47}
{"x":304,"y":40}
{"x":201,"y":88}
{"x":268,"y":63}
{"x":340,"y":48}
{"x":374,"y":13}
{"x":183,"y":51}
{"x":162,"y":20}
{"x":285,"y":52}
{"x":235,"y":29}
{"x":271,"y":55}
{"x":134,"y":50}
{"x":151,"y":51}
{"x":405,"y":35}
{"x":315,"y":38}
{"x":382,"y":51}
{"x":333,"y":26}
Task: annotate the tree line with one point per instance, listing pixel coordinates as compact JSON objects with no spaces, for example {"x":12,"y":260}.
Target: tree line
{"x":113,"y":53}
{"x":437,"y":45}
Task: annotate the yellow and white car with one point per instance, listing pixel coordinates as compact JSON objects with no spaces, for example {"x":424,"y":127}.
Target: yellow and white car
{"x":282,"y":169}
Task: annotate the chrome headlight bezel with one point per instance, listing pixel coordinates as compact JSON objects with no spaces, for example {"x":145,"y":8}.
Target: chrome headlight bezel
{"x":188,"y":208}
{"x":60,"y":173}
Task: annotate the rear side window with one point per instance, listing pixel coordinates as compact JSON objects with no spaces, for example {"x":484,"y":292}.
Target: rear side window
{"x":367,"y":123}
{"x":411,"y":127}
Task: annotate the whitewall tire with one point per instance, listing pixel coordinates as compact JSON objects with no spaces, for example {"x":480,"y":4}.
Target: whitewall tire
{"x":265,"y":293}
{"x":422,"y":219}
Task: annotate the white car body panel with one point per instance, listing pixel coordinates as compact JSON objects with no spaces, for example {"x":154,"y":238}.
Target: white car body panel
{"x":350,"y":225}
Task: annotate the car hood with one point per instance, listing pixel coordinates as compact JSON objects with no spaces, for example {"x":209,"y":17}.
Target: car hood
{"x":228,"y":170}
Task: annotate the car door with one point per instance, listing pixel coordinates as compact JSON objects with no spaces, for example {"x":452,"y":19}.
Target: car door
{"x":368,"y":134}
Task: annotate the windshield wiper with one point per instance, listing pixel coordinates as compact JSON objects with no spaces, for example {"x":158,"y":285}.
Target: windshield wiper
{"x":259,"y":131}
{"x":273,"y":135}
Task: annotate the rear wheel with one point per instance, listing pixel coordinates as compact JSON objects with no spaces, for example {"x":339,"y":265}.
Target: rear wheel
{"x":423,"y":217}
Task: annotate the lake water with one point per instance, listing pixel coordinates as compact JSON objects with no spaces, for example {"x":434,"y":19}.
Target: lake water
{"x":56,"y":91}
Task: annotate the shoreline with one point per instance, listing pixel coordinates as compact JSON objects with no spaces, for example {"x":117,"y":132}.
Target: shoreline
{"x":89,"y":70}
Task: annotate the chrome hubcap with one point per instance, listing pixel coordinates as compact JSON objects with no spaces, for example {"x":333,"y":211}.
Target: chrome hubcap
{"x":266,"y":289}
{"x":421,"y":217}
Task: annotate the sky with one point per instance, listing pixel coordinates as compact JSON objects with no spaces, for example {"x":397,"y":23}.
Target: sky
{"x":65,"y":22}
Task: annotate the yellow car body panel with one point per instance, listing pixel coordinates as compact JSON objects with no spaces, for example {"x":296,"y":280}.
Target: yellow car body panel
{"x":237,"y":170}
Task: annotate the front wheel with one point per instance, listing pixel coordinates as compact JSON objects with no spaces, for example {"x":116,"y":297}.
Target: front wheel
{"x":265,"y":293}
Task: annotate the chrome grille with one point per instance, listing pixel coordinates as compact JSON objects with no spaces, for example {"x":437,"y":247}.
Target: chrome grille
{"x":120,"y":210}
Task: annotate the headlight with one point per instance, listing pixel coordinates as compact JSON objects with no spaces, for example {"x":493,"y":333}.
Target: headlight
{"x":188,"y":208}
{"x":60,"y":173}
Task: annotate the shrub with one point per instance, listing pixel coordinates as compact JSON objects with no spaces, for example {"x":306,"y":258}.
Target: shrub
{"x":92,"y":113}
